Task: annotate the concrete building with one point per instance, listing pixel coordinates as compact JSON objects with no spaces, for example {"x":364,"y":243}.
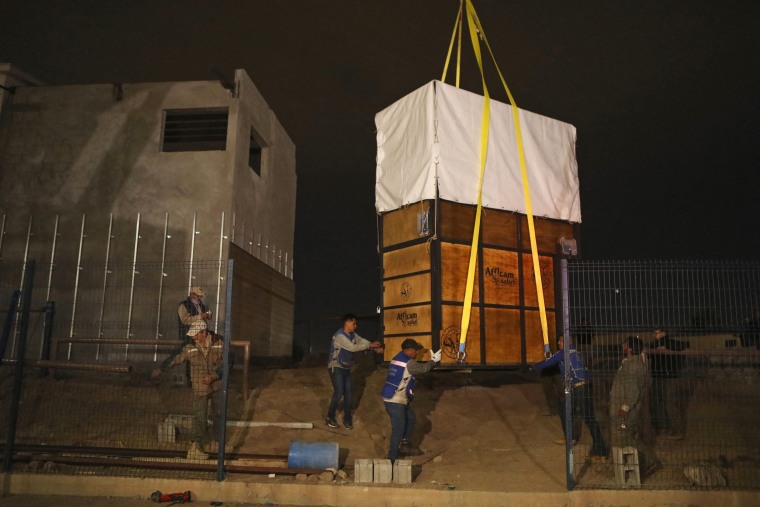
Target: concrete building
{"x":170,"y":174}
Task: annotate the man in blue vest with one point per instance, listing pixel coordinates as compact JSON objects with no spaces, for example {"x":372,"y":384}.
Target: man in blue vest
{"x":398,"y":393}
{"x":344,"y":343}
{"x":582,"y":398}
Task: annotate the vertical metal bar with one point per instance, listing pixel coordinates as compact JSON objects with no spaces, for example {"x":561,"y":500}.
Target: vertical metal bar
{"x":52,"y":259}
{"x":47,"y":333}
{"x":226,"y":371}
{"x":232,"y":232}
{"x":192,"y":253}
{"x":9,"y":319}
{"x":219,"y":276}
{"x":568,"y":388}
{"x":132,"y":286}
{"x":21,"y":283}
{"x":161,"y":286}
{"x":2,"y":234}
{"x":49,"y":283}
{"x":286,"y":265}
{"x":12,"y":417}
{"x":76,"y":284}
{"x":259,"y":245}
{"x":106,"y":271}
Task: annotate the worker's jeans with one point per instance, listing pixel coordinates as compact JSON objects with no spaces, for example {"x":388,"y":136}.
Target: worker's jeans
{"x":402,"y":425}
{"x":200,"y":431}
{"x":341,"y":382}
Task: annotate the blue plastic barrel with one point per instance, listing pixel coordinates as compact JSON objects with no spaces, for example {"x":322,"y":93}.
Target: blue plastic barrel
{"x":313,"y":455}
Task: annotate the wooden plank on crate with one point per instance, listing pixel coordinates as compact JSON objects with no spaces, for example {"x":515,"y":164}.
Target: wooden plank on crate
{"x":407,"y":290}
{"x":534,"y":340}
{"x":501,"y":277}
{"x":455,"y":260}
{"x":456,"y":221}
{"x":401,"y":225}
{"x":451,"y":320}
{"x":407,"y":319}
{"x":503,"y":343}
{"x":546,"y":264}
{"x":393,"y":345}
{"x":548,"y":233}
{"x":411,"y":259}
{"x":499,"y":228}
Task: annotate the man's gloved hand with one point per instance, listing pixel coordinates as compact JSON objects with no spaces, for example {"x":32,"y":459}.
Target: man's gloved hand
{"x":436,"y":356}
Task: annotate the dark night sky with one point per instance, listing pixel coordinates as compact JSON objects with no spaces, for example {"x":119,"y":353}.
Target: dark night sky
{"x":663,"y":94}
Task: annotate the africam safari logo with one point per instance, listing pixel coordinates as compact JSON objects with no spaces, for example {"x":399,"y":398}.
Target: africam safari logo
{"x":406,"y":291}
{"x":407,"y":319}
{"x":501,"y":277}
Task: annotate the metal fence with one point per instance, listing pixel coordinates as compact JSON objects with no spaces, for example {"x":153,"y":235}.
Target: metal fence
{"x":84,"y":354}
{"x":675,"y":409}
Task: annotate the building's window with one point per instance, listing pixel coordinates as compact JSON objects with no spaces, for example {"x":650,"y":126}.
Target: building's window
{"x":195,"y":129}
{"x":254,"y":153}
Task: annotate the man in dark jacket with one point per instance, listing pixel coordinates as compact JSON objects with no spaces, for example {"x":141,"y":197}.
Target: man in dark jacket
{"x":582,"y":397}
{"x":669,"y":396}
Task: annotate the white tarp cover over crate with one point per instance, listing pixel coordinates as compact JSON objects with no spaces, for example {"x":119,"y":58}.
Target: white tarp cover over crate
{"x":434,"y":132}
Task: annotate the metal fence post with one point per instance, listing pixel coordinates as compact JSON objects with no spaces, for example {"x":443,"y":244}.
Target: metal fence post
{"x":10,"y":317}
{"x":225,"y":370}
{"x":47,"y":332}
{"x":26,"y":302}
{"x":568,"y":388}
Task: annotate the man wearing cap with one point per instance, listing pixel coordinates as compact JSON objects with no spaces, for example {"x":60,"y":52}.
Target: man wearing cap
{"x":189,"y":311}
{"x":206,"y":358}
{"x":192,"y":309}
{"x":344,"y":343}
{"x":398,"y":393}
{"x":628,"y":389}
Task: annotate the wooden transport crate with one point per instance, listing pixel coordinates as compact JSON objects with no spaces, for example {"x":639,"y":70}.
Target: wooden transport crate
{"x":425,"y":254}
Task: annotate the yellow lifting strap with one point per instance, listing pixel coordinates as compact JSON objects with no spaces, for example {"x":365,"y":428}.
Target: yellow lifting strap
{"x":476,"y":32}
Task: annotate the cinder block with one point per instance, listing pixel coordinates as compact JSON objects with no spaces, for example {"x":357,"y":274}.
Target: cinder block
{"x":383,"y":471}
{"x":167,"y":432}
{"x":626,"y":462}
{"x":363,"y":470}
{"x":402,"y":471}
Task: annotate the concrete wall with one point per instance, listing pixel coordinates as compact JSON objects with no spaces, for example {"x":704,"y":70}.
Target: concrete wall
{"x":96,"y":149}
{"x":88,"y":158}
{"x":271,"y":200}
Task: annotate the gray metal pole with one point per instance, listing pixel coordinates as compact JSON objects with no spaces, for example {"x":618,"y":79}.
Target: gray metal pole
{"x":161,"y":285}
{"x":50,"y":281}
{"x":2,"y":233}
{"x":132,"y":286}
{"x":106,"y":271}
{"x":568,"y":385}
{"x":192,"y":253}
{"x":21,"y":283}
{"x":76,"y":284}
{"x":219,"y":275}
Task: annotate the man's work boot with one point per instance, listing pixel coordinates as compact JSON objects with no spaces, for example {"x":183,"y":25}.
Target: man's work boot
{"x":407,"y":449}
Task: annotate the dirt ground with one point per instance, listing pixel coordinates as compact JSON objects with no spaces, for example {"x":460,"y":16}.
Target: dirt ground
{"x":473,"y":426}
